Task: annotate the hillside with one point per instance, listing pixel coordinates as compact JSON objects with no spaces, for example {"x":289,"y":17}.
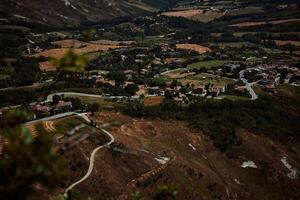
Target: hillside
{"x":67,"y":13}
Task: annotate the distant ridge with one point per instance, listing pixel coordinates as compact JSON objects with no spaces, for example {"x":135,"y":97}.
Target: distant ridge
{"x":69,"y":13}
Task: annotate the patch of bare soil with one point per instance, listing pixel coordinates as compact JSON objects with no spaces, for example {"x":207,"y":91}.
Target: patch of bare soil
{"x":195,"y":47}
{"x":46,"y":66}
{"x":184,"y":13}
{"x":284,"y":42}
{"x":286,"y":21}
{"x":152,"y":152}
{"x":195,"y":14}
{"x":79,"y":47}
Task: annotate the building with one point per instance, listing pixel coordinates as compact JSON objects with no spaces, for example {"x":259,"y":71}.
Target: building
{"x":200,"y":89}
{"x":269,"y":88}
{"x":215,"y":90}
{"x":39,"y":108}
{"x":155,"y":91}
{"x":180,"y":98}
{"x":63,"y":106}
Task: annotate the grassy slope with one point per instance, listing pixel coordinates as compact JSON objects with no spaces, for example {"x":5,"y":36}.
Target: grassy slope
{"x":207,"y":64}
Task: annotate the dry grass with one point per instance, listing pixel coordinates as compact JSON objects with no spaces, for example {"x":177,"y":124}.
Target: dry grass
{"x":59,"y":53}
{"x":79,"y":47}
{"x":46,"y":66}
{"x":153,"y":101}
{"x":208,"y":16}
{"x":284,"y":42}
{"x":143,"y":140}
{"x":184,"y":13}
{"x":195,"y":14}
{"x":195,"y":47}
{"x":111,"y":42}
{"x":72,"y":43}
{"x":179,"y":74}
{"x":69,"y":43}
{"x":275,"y":22}
{"x":172,"y":60}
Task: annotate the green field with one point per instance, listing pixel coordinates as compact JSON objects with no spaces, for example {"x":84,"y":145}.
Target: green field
{"x":205,"y":78}
{"x":104,"y":103}
{"x":208,"y":64}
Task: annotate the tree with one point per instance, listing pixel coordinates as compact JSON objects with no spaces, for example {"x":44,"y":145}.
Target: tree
{"x":136,"y":196}
{"x":132,"y":89}
{"x":94,"y":107}
{"x":70,"y":62}
{"x":119,"y":77}
{"x":26,"y":161}
{"x":56,"y":99}
{"x":165,"y":193}
{"x":76,"y":103}
{"x":26,"y":72}
{"x":88,"y":34}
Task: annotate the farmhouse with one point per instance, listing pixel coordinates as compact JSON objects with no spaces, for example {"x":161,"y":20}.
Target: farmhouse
{"x":180,"y":98}
{"x":155,"y":91}
{"x":200,"y":89}
{"x":39,"y":108}
{"x":63,"y":106}
{"x":215,"y":90}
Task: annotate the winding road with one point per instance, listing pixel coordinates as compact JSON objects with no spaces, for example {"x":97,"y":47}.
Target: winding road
{"x":248,"y":85}
{"x":92,"y":159}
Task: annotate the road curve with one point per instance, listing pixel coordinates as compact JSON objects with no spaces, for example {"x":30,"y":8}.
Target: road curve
{"x":92,"y":159}
{"x":61,"y":115}
{"x":248,"y":86}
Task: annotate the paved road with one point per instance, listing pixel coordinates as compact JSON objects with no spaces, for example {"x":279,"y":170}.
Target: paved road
{"x":92,"y":159}
{"x":248,"y":85}
{"x":50,"y":96}
{"x":61,"y":115}
{"x":174,"y":70}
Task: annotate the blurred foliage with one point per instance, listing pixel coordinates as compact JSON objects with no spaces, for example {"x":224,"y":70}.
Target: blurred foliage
{"x":27,"y":164}
{"x":136,"y":196}
{"x":88,"y":34}
{"x":165,"y":192}
{"x":70,"y":62}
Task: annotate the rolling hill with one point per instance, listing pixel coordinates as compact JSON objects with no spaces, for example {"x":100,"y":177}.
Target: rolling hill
{"x":68,"y":13}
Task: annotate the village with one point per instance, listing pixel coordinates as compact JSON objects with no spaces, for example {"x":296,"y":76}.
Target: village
{"x":264,"y":76}
{"x":176,"y":71}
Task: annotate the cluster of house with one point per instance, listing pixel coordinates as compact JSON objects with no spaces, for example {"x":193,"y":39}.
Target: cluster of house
{"x":210,"y":90}
{"x":270,"y":77}
{"x":175,"y":93}
{"x":178,"y":95}
{"x":99,"y":78}
{"x":51,"y":108}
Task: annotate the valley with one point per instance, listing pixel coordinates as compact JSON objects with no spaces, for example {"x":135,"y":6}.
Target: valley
{"x":174,"y":99}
